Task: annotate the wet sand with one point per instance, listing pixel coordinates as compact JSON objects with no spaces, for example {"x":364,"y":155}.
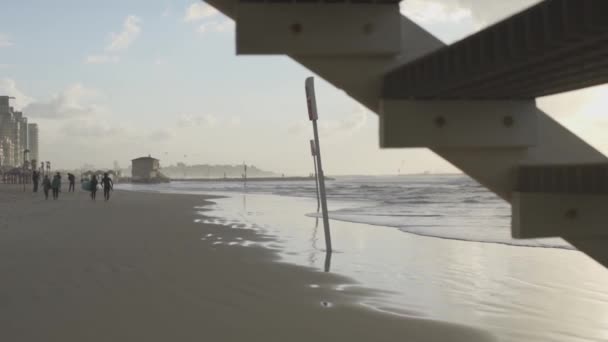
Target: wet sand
{"x":136,"y":269}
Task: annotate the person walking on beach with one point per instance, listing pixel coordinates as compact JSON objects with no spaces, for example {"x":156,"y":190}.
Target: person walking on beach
{"x":56,"y":185}
{"x":94,"y":183}
{"x":72,"y":180}
{"x":46,"y":186}
{"x":108,"y":185}
{"x":35,"y":180}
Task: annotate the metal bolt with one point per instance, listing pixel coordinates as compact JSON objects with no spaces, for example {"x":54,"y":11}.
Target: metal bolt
{"x":296,"y":28}
{"x":508,"y":121}
{"x":368,"y":28}
{"x":440,"y":121}
{"x":571,"y":214}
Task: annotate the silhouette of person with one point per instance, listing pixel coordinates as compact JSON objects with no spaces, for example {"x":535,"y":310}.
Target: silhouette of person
{"x":72,"y":180}
{"x":46,"y":186}
{"x":56,"y":185}
{"x":35,"y":180}
{"x":108,"y":185}
{"x":94,"y":183}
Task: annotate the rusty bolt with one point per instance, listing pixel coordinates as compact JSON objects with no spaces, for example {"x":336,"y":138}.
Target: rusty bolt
{"x":296,"y":28}
{"x":571,"y":214}
{"x":440,"y":121}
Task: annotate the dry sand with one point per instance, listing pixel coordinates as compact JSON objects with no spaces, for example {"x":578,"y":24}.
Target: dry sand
{"x":136,"y":269}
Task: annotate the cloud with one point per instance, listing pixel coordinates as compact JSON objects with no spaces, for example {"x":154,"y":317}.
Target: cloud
{"x":347,"y":126}
{"x":218,"y":26}
{"x":235,"y":121}
{"x":161,"y":134}
{"x":74,"y":101}
{"x":5,"y":40}
{"x":453,"y":11}
{"x":583,"y":102}
{"x":425,"y":11}
{"x":344,"y":127}
{"x":166,"y":12}
{"x":90,"y":128}
{"x":9,"y":87}
{"x":118,"y":42}
{"x":199,"y":11}
{"x":199,"y":120}
{"x":101,"y":59}
{"x":130,"y":31}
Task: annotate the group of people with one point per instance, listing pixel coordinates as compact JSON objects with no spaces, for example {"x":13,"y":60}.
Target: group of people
{"x":54,"y":184}
{"x":106,"y":184}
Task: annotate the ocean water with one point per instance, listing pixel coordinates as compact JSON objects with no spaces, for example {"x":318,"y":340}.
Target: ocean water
{"x":435,"y":247}
{"x":445,"y":206}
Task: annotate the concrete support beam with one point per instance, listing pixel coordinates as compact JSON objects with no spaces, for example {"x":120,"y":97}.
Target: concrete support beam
{"x":474,"y":124}
{"x":538,"y":215}
{"x":312,"y":29}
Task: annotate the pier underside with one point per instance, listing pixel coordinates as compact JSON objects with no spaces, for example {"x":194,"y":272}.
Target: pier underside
{"x":472,"y":102}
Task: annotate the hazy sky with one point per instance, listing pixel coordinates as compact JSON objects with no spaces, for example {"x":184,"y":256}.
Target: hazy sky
{"x":113,"y":80}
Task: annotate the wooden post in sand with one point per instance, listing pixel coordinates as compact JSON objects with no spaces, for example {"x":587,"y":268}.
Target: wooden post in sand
{"x":313,"y":151}
{"x":312,"y":115}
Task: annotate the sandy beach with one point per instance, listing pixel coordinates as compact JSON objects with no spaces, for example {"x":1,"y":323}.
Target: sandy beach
{"x":136,"y":269}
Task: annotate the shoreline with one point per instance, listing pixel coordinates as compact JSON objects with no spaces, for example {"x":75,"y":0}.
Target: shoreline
{"x":140,"y":268}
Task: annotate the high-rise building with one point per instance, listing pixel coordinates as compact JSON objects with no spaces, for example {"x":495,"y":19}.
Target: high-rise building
{"x":33,"y":141}
{"x":24,"y":135}
{"x":14,"y":136}
{"x":6,"y":145}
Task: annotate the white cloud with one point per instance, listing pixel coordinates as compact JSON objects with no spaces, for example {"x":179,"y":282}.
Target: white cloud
{"x":218,"y":26}
{"x":235,"y":121}
{"x":9,"y":87}
{"x":453,"y":11}
{"x":5,"y":40}
{"x":199,"y":11}
{"x":101,"y":59}
{"x":161,"y":134}
{"x":196,"y":120}
{"x":166,"y":12}
{"x":331,"y":128}
{"x":118,"y":42}
{"x":90,"y":128}
{"x":74,"y":101}
{"x":130,"y":31}
{"x":579,"y":103}
{"x":425,"y":11}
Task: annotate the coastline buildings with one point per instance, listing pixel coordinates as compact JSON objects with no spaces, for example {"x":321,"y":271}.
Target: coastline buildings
{"x":16,"y":136}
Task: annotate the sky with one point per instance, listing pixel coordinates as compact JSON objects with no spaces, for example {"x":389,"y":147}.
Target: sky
{"x":113,"y":80}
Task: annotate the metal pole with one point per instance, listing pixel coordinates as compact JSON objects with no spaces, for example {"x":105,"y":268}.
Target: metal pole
{"x":313,"y":151}
{"x":312,"y":114}
{"x":245,"y":176}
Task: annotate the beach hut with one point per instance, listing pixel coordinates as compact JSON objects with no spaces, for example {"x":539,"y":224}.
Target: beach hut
{"x":146,"y":169}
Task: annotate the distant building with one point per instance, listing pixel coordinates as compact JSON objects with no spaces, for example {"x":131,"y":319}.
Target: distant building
{"x":14,"y":136}
{"x":32,"y":141}
{"x":7,"y":151}
{"x":146,"y":169}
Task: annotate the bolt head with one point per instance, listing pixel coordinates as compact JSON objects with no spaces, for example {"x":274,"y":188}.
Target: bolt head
{"x":296,"y":28}
{"x":571,"y":214}
{"x":440,"y":121}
